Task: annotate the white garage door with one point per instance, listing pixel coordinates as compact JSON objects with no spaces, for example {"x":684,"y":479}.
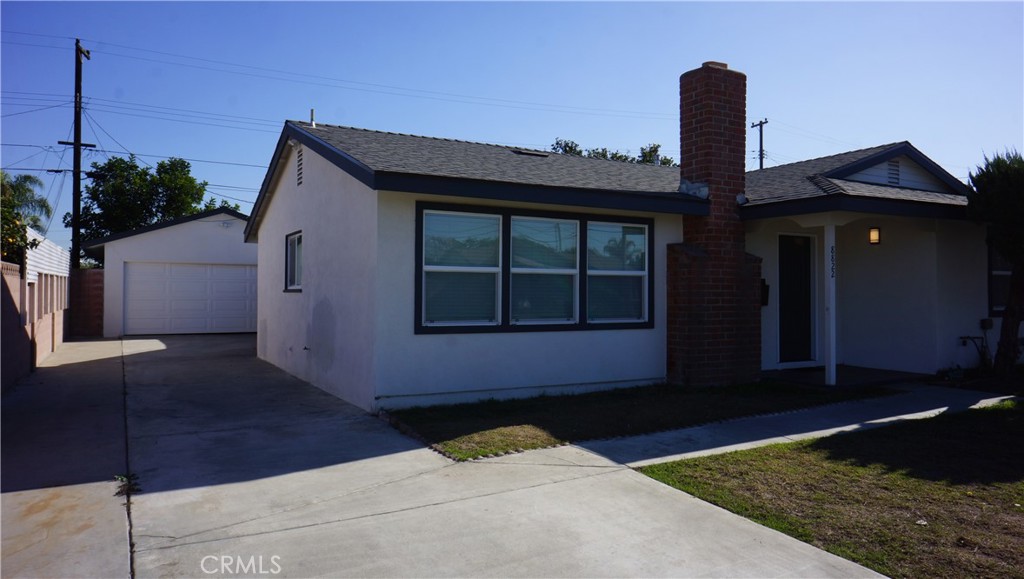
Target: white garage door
{"x":185,"y":298}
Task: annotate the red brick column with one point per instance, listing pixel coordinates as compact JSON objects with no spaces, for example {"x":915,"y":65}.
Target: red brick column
{"x":85,"y":303}
{"x":714,"y":305}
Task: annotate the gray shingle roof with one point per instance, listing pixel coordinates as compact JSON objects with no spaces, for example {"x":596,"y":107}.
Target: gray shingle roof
{"x":809,"y":179}
{"x":435,"y":157}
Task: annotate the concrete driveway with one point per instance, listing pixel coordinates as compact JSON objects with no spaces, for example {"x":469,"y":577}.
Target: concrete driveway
{"x":246,"y":471}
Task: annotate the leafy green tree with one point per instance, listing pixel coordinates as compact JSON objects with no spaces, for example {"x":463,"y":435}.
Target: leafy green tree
{"x":212,"y":204}
{"x":20,"y":193}
{"x":14,"y":239}
{"x":123,"y":196}
{"x":647,"y":154}
{"x":997,"y":199}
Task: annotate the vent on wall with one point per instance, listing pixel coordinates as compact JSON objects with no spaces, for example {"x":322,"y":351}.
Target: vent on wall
{"x":894,"y":171}
{"x":298,"y":168}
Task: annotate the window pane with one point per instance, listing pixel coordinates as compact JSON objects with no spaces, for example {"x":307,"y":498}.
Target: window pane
{"x":460,"y":239}
{"x":543,"y":243}
{"x":293,"y":257}
{"x":460,"y":297}
{"x":616,"y":247}
{"x":615,"y":297}
{"x":543,"y":297}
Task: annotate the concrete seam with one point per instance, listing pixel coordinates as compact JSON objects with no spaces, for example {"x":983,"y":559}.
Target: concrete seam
{"x":127,"y":466}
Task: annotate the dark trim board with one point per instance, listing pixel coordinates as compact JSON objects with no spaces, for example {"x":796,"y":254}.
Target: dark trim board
{"x":506,"y":326}
{"x":840,"y":202}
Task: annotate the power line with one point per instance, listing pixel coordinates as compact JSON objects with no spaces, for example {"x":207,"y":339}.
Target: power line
{"x":87,"y":115}
{"x":34,"y":110}
{"x":236,"y":164}
{"x":376,"y":88}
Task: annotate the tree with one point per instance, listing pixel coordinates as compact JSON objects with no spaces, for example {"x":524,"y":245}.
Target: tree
{"x":123,"y":196}
{"x":997,"y":200}
{"x":20,"y":192}
{"x":647,"y":154}
{"x":212,"y":204}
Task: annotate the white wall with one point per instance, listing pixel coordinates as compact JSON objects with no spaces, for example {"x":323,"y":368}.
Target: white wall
{"x":413,"y":369}
{"x":887,"y":294}
{"x":205,"y":241}
{"x":963,"y":292}
{"x":325,"y":333}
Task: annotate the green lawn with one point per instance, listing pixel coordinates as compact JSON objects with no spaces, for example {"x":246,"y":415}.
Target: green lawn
{"x":940,"y":497}
{"x":468,"y":431}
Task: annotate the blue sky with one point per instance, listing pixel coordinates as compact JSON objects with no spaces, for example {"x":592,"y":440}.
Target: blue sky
{"x":215,"y":81}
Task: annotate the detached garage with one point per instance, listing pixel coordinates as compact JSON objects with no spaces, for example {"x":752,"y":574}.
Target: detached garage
{"x":193,"y":275}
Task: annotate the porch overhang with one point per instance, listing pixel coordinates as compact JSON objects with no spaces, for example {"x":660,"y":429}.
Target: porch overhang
{"x":853,"y":204}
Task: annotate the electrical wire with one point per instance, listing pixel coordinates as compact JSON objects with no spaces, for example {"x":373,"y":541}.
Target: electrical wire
{"x":34,"y":110}
{"x":89,"y":116}
{"x":376,"y":88}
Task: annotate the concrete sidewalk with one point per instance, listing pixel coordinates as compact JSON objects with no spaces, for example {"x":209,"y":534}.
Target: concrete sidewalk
{"x":63,"y":444}
{"x":915,"y":402}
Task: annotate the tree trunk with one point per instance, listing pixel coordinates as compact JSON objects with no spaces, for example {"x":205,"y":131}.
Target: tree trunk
{"x":1009,"y":334}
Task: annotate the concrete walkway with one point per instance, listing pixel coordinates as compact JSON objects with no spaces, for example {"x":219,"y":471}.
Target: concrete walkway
{"x":915,"y":402}
{"x":63,"y":443}
{"x":246,"y":471}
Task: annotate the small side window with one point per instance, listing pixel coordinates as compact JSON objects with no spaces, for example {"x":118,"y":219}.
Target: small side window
{"x":293,"y":262}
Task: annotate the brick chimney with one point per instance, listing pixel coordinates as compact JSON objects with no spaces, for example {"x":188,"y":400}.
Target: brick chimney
{"x":714,"y":325}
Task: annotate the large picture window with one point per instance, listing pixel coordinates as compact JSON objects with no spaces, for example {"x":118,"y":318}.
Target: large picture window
{"x":484,"y":269}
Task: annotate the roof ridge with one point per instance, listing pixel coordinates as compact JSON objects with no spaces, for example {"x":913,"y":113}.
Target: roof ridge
{"x":880,"y":147}
{"x":307,"y":125}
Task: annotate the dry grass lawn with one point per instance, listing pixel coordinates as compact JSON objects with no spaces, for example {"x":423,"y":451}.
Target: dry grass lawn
{"x":928,"y":498}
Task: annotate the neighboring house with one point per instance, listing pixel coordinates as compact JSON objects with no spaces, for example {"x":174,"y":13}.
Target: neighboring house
{"x":192,"y":275}
{"x":33,"y":307}
{"x":397,"y":270}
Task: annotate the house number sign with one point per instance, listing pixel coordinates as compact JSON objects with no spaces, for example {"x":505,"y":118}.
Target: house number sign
{"x":832,"y":261}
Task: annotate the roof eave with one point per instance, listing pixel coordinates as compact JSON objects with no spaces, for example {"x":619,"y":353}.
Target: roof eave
{"x":98,"y":243}
{"x":644,"y":201}
{"x":824,"y":204}
{"x":900,"y":149}
{"x":291,"y":131}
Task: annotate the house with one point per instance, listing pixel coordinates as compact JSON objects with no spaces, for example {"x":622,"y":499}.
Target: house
{"x":34,"y":301}
{"x":191,"y":275}
{"x":398,"y":270}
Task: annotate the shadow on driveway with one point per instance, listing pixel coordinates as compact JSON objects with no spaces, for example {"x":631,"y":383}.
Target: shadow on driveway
{"x":203,"y":411}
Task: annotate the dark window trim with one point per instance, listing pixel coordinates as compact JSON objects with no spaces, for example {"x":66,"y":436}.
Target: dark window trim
{"x":505,"y":306}
{"x":287,"y":264}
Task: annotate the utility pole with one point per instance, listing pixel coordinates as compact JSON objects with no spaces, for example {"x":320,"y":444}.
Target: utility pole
{"x":76,"y":207}
{"x":760,"y":133}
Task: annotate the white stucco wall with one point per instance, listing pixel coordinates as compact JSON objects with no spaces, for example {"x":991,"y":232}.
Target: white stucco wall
{"x":325,"y":333}
{"x":203,"y":241}
{"x":428,"y":369}
{"x":888,"y":297}
{"x":902,"y":303}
